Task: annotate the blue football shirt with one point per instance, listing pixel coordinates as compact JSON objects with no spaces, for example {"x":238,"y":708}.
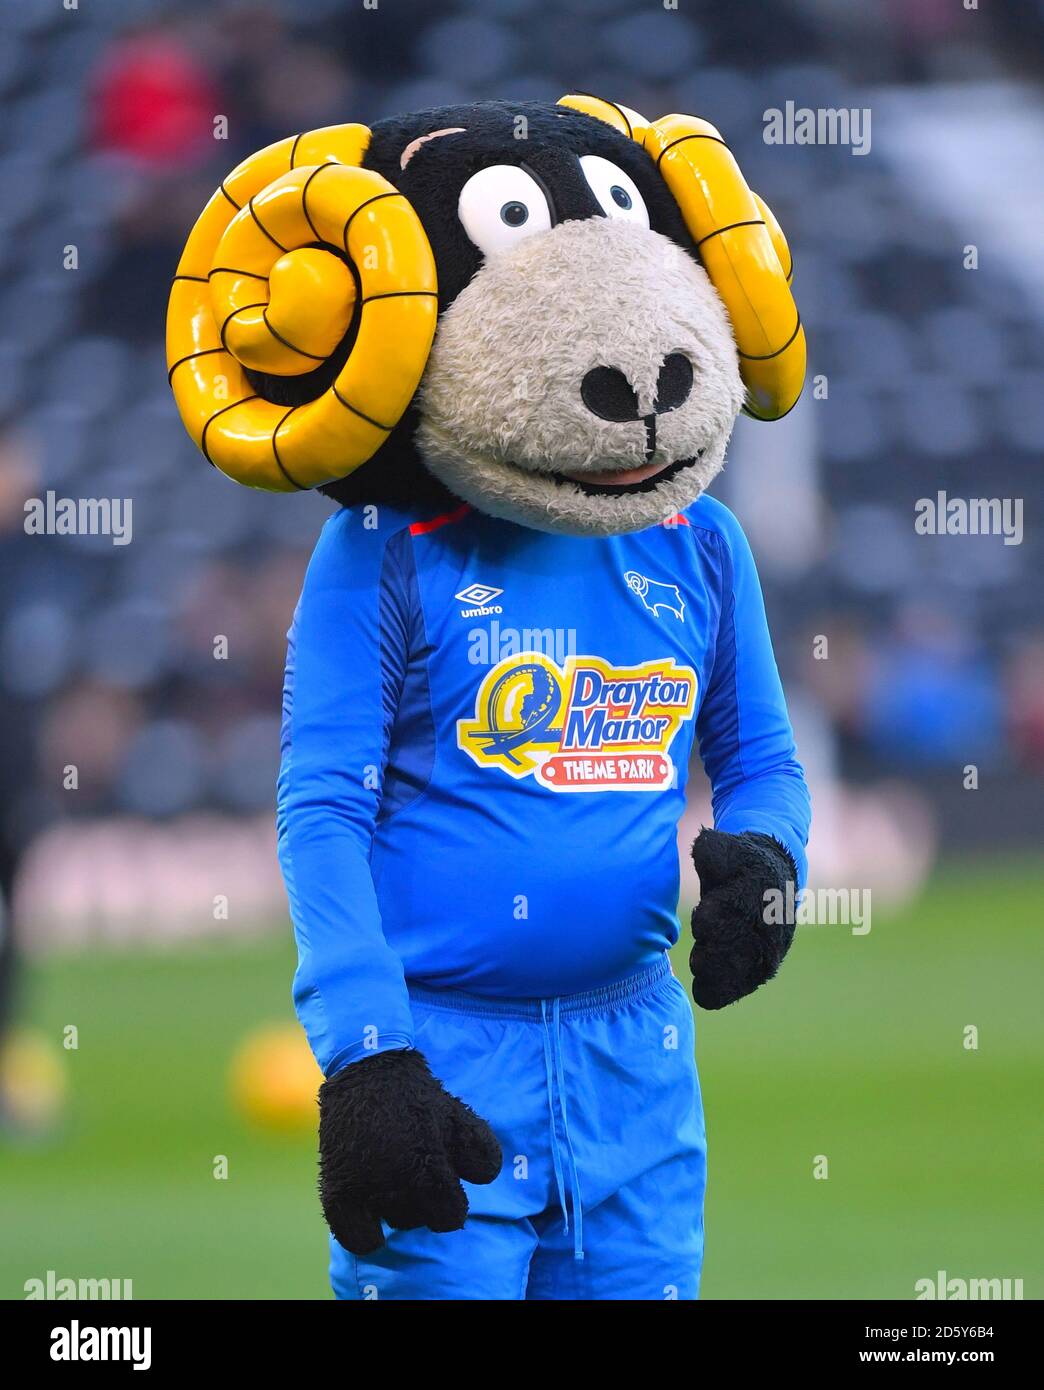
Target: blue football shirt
{"x":486,"y":733}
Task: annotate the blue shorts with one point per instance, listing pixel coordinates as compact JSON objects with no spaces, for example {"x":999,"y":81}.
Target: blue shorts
{"x":595,"y":1100}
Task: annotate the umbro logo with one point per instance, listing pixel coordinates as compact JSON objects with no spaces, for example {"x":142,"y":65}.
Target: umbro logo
{"x":479,"y":598}
{"x":478,"y":593}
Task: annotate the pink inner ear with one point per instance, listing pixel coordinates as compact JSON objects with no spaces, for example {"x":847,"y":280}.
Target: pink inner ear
{"x":414,"y":145}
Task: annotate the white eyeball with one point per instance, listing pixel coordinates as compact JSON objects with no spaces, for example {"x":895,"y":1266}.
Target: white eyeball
{"x":501,"y":206}
{"x":615,"y":190}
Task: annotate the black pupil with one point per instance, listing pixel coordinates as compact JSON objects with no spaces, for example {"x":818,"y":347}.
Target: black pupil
{"x":514,"y":214}
{"x":621,"y":197}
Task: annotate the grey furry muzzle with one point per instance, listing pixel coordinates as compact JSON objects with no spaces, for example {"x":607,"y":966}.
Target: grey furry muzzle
{"x":506,"y":420}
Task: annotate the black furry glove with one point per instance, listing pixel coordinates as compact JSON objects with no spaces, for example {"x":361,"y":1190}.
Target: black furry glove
{"x":393,"y":1146}
{"x":735,"y":948}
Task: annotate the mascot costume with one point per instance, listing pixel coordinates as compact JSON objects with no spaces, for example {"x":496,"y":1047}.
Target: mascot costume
{"x":511,"y":342}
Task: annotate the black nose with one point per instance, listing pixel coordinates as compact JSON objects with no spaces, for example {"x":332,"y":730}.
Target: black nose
{"x":608,"y":394}
{"x":673,"y":383}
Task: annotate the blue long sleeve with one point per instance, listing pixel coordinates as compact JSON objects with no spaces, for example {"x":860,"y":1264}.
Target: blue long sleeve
{"x":346,"y":658}
{"x":743,"y":729}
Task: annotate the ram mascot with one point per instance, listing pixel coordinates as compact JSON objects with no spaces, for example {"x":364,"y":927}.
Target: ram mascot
{"x":511,"y":342}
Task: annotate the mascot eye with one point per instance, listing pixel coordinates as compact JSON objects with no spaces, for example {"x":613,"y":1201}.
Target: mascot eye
{"x":500,"y":206}
{"x":616,"y":191}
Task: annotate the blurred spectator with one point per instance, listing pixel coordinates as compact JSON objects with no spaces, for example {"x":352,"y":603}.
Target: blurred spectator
{"x":154,"y":101}
{"x":1025,"y":684}
{"x":932,"y":698}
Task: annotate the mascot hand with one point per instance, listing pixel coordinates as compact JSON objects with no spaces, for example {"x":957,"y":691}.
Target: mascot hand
{"x":393,"y":1146}
{"x":736,"y":949}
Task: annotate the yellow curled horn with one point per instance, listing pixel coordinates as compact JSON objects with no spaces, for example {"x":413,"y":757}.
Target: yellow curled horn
{"x":259,"y":287}
{"x":740,"y":244}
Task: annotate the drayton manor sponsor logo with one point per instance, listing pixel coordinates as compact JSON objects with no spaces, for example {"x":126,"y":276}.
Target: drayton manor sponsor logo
{"x":584,"y":726}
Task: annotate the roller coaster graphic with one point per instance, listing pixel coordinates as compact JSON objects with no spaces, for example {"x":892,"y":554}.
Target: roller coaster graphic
{"x":538,"y":711}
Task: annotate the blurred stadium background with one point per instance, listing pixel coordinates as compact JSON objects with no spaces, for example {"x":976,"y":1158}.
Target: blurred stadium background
{"x":933,"y":377}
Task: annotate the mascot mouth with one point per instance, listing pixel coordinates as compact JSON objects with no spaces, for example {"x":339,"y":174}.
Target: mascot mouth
{"x":630,"y":480}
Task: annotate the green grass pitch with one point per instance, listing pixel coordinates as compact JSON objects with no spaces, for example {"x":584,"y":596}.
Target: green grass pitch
{"x":856,"y":1053}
